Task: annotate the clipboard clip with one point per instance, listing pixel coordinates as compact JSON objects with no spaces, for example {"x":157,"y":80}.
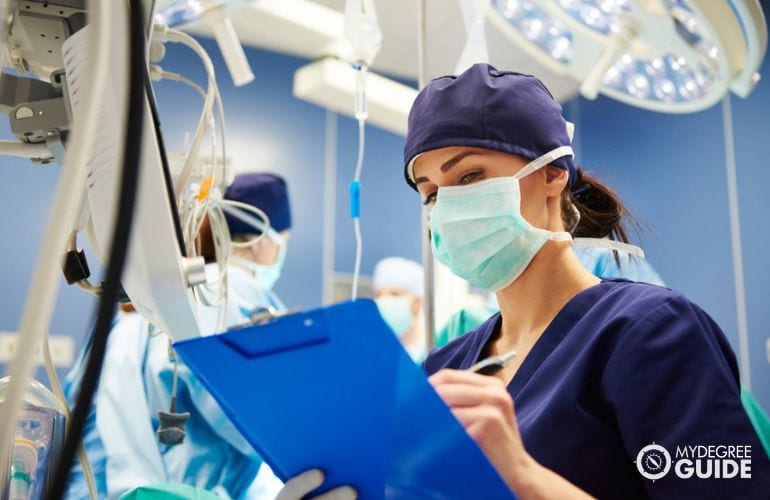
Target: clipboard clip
{"x":264,"y":315}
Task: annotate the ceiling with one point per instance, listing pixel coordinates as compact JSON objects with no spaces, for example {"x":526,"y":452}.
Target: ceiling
{"x":309,"y":28}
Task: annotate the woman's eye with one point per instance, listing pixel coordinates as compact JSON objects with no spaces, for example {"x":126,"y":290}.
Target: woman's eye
{"x":469,"y":177}
{"x":430,"y":199}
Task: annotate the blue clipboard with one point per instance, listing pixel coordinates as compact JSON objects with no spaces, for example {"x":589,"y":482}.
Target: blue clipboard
{"x":333,"y":389}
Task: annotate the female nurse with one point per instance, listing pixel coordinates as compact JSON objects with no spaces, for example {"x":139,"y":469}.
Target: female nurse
{"x":612,"y":379}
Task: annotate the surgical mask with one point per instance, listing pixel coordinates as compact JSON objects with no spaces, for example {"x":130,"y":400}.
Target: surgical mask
{"x":396,"y":310}
{"x":478,"y":231}
{"x":265,"y":274}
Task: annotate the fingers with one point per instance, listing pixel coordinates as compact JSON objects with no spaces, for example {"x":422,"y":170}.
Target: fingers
{"x":459,"y":389}
{"x":490,"y":429}
{"x":480,"y":420}
{"x":341,"y":493}
{"x":463,"y":396}
{"x":300,"y":485}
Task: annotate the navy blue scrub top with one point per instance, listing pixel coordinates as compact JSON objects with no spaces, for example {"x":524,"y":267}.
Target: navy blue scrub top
{"x":621,"y":366}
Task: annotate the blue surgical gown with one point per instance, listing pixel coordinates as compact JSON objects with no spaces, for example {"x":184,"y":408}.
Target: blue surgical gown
{"x":136,"y":382}
{"x":604,"y":263}
{"x":621,"y":366}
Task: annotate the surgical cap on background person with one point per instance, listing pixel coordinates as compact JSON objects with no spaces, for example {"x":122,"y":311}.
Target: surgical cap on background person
{"x":397,"y":272}
{"x":486,"y":108}
{"x":267,"y":192}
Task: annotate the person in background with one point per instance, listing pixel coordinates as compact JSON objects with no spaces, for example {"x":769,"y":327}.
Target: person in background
{"x":130,"y":443}
{"x":255,"y":269}
{"x":398,"y":292}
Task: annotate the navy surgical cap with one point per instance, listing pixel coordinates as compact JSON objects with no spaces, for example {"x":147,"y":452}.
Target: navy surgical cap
{"x":267,"y":192}
{"x":486,"y":108}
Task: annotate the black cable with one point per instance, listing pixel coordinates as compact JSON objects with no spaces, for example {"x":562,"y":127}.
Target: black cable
{"x":120,"y":238}
{"x":164,"y":162}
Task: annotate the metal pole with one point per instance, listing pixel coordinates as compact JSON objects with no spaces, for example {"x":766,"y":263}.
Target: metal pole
{"x":735,"y":238}
{"x":330,"y":207}
{"x":429,"y":305}
{"x":422,"y":74}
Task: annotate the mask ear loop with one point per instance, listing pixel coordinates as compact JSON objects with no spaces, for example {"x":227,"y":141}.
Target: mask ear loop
{"x":617,"y":246}
{"x":544,"y":160}
{"x":235,"y":209}
{"x":539,"y":163}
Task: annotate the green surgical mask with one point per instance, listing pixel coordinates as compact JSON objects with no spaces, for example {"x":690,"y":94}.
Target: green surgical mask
{"x":478,"y":231}
{"x":396,"y":310}
{"x":265,"y":274}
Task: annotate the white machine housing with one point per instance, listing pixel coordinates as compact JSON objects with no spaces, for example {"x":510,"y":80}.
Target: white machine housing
{"x":155,"y":276}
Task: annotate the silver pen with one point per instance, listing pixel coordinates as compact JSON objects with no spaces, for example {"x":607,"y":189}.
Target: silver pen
{"x":492,"y":364}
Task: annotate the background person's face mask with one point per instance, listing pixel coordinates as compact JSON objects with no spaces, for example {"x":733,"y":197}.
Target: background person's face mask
{"x":265,"y":274}
{"x":478,"y":231}
{"x":396,"y":310}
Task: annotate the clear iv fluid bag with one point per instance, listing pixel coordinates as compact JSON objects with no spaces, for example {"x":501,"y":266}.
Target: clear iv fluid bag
{"x":37,"y":443}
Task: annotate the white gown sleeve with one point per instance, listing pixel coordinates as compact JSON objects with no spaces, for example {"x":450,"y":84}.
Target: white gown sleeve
{"x":133,"y":458}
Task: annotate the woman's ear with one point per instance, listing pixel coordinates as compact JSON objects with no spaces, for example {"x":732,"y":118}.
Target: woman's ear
{"x":556,"y":180}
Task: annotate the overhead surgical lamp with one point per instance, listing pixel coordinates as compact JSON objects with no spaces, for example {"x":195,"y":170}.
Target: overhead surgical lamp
{"x":672,"y":56}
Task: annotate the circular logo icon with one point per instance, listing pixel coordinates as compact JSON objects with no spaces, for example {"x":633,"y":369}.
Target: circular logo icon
{"x":653,"y":461}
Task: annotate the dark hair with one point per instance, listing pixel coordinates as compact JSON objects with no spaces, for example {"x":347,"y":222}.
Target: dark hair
{"x":602,"y":212}
{"x":206,"y":242}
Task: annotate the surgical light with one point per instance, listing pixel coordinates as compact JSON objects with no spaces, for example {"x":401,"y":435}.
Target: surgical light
{"x":538,"y":28}
{"x":673,"y":56}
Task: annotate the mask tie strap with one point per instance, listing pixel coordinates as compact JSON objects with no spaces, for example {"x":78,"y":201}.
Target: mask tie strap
{"x":263,"y":226}
{"x":560,"y":236}
{"x":610,"y":245}
{"x":544,"y":160}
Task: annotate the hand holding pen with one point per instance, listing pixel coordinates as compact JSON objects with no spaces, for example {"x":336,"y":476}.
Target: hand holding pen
{"x":484,"y":408}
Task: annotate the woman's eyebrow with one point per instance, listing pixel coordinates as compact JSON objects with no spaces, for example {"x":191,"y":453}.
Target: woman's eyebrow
{"x":447,"y":166}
